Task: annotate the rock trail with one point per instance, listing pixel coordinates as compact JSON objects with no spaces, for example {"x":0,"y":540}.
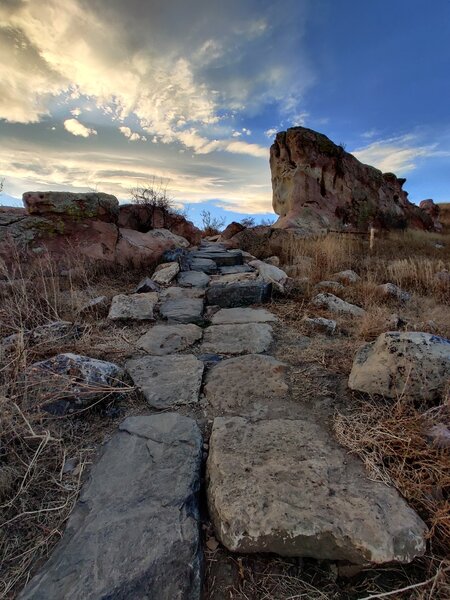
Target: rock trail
{"x":276,"y":480}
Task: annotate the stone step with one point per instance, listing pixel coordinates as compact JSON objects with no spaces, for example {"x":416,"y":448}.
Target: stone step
{"x":228,"y":258}
{"x":285,"y":486}
{"x":135,"y":531}
{"x":182,"y":310}
{"x":243,"y":338}
{"x":235,"y":269}
{"x":241,"y":293}
{"x":242,"y":315}
{"x":167,"y":381}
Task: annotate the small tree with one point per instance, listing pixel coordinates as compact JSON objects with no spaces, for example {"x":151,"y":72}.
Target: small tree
{"x":211,"y":225}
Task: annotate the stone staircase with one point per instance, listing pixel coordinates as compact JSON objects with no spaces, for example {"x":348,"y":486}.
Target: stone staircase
{"x":276,"y":480}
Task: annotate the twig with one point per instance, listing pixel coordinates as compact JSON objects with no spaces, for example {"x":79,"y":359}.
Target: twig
{"x":408,"y":587}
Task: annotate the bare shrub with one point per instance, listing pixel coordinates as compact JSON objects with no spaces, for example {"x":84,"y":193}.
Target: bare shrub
{"x":211,"y":225}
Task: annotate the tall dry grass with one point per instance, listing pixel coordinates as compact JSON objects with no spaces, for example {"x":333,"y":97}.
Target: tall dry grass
{"x":37,"y":493}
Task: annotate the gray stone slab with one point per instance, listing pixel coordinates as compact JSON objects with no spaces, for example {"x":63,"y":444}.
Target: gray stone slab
{"x":183,"y":310}
{"x":252,"y":385}
{"x":242,"y":315}
{"x":195,"y":279}
{"x":222,"y":259}
{"x":168,"y":339}
{"x":137,"y":307}
{"x":235,"y":269}
{"x":285,"y":486}
{"x":134,"y":533}
{"x":206,"y":265}
{"x":246,"y":338}
{"x":167,"y":381}
{"x":243,"y":293}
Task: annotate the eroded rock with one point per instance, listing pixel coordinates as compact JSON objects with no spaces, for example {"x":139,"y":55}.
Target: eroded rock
{"x":402,"y":364}
{"x":337,"y":305}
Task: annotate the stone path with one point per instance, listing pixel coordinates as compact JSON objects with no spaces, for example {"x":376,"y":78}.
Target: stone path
{"x":277,"y":481}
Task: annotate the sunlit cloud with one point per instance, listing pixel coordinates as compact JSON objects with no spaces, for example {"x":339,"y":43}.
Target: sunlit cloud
{"x":132,"y":135}
{"x":76,"y":128}
{"x":397,"y":155}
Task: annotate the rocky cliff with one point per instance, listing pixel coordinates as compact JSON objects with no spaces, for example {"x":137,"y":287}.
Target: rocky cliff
{"x":317,"y":185}
{"x":94,"y":225}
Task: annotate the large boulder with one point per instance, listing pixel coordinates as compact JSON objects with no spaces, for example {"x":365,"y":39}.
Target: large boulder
{"x":134,"y":533}
{"x":92,"y":205}
{"x":433,"y":211}
{"x":285,"y":486}
{"x":144,"y":217}
{"x":317,"y":185}
{"x":140,"y":249}
{"x":410,"y":364}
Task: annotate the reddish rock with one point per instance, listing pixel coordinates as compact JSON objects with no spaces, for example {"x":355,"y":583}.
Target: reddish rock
{"x":231,"y":230}
{"x":102,"y":207}
{"x":140,"y":249}
{"x":433,"y":211}
{"x":317,"y":185}
{"x":143,"y":218}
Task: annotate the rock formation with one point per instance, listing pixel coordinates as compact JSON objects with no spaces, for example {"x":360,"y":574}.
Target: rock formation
{"x":433,"y":211}
{"x":317,"y":185}
{"x":94,"y":224}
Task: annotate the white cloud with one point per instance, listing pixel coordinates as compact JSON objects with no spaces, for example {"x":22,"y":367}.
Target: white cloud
{"x":370,"y":133}
{"x":271,"y":132}
{"x":132,"y":135}
{"x":236,"y":134}
{"x":76,"y":112}
{"x":397,"y":155}
{"x":76,"y":128}
{"x":168,"y":77}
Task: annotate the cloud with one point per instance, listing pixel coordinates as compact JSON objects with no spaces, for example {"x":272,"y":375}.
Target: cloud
{"x":76,"y":128}
{"x":132,"y":135}
{"x":271,"y":132}
{"x":173,"y":70}
{"x":397,"y":154}
{"x":237,"y":182}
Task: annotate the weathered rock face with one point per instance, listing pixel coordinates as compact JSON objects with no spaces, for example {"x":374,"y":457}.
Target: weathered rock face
{"x":90,"y":224}
{"x":317,"y":185}
{"x":135,"y":531}
{"x":143,"y":218}
{"x":433,"y":211}
{"x":411,"y":364}
{"x":102,"y":207}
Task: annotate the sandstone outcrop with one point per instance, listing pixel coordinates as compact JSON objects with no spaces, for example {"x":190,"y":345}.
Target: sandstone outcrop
{"x":317,"y":185}
{"x":93,"y":225}
{"x":144,"y":217}
{"x":433,"y":211}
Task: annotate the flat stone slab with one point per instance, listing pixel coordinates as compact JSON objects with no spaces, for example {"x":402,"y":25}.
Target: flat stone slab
{"x":233,"y":278}
{"x":134,"y":532}
{"x":235,"y":269}
{"x":206,"y":265}
{"x":285,"y":486}
{"x":241,"y":293}
{"x":183,"y":310}
{"x":176,"y":292}
{"x":227,"y":258}
{"x":167,"y":381}
{"x":165,"y":273}
{"x":251,"y":385}
{"x":242,"y":315}
{"x":195,"y":279}
{"x":244,"y":338}
{"x":168,"y":339}
{"x":138,"y":307}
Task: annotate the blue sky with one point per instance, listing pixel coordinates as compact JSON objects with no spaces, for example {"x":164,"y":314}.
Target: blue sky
{"x":107,"y":94}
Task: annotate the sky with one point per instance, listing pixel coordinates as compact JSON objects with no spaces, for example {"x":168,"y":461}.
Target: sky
{"x":109,"y":95}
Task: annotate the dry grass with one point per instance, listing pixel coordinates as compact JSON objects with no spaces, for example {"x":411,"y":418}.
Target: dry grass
{"x":36,"y":493}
